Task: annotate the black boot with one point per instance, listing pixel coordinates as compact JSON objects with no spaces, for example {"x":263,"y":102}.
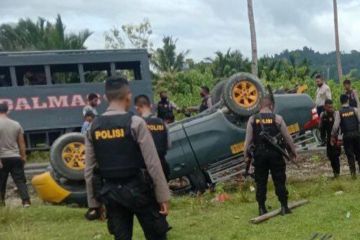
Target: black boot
{"x":262,"y":209}
{"x":285,"y":209}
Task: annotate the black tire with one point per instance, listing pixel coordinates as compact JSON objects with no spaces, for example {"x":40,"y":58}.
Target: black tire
{"x":58,"y":163}
{"x":217,"y":91}
{"x":198,"y":182}
{"x":250,"y":105}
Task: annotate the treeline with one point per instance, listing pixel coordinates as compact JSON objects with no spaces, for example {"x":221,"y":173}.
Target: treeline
{"x":325,"y":63}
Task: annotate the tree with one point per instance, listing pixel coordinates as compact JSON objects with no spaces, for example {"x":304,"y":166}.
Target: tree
{"x":166,"y":59}
{"x":130,"y":35}
{"x":40,"y":35}
{"x":337,"y":41}
{"x":254,"y":62}
{"x":225,"y":65}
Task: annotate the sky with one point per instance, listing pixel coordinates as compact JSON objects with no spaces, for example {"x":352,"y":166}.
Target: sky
{"x":205,"y":26}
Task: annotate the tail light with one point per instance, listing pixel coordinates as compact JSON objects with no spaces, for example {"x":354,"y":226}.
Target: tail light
{"x":314,"y":122}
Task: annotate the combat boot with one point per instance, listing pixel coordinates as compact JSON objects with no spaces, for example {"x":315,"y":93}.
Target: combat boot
{"x":285,"y":209}
{"x":262,"y":209}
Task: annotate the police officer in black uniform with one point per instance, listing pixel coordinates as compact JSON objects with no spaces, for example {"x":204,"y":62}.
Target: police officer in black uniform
{"x":122,"y":148}
{"x":348,"y":119}
{"x":351,"y":93}
{"x":206,"y":102}
{"x":165,"y":108}
{"x":266,"y":157}
{"x":327,"y":119}
{"x":157,"y":127}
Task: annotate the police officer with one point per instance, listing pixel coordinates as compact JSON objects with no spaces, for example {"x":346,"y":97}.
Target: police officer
{"x":348,"y":119}
{"x":266,"y":158}
{"x":166,"y":108}
{"x":351,"y":93}
{"x":326,"y":124}
{"x":121,"y":146}
{"x":206,"y":102}
{"x":157,"y":128}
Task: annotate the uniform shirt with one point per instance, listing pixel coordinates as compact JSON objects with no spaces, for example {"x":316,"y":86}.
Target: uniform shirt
{"x":9,"y":133}
{"x":151,"y":115}
{"x":89,"y":108}
{"x":322,"y":94}
{"x":281,"y":125}
{"x":355,"y":94}
{"x":337,"y":120}
{"x":152,"y":162}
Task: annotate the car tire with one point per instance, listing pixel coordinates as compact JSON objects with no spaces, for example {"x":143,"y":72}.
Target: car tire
{"x":67,"y":156}
{"x":217,"y":91}
{"x":198,"y":182}
{"x":242,"y":94}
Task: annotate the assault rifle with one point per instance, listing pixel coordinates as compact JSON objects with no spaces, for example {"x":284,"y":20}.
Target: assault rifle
{"x":273,"y":141}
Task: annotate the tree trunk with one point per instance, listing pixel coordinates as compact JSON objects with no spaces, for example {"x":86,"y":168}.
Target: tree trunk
{"x":337,"y":41}
{"x":254,"y":62}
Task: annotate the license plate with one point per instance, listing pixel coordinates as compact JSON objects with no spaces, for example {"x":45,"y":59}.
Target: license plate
{"x":294,"y":128}
{"x":237,"y":148}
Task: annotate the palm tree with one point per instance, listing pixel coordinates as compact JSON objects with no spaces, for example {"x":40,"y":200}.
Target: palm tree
{"x":337,"y":41}
{"x":40,"y":35}
{"x":166,"y":59}
{"x":225,"y":65}
{"x":254,"y":63}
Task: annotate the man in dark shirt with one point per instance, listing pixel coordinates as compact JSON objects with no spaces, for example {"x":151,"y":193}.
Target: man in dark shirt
{"x":327,"y":119}
{"x":351,"y":93}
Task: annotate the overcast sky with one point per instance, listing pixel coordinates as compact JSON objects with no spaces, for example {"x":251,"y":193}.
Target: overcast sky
{"x":205,"y":26}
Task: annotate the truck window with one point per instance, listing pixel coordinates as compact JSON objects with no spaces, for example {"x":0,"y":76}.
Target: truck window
{"x":64,"y":73}
{"x":96,"y":72}
{"x":5,"y":79}
{"x":131,"y":70}
{"x":30,"y":75}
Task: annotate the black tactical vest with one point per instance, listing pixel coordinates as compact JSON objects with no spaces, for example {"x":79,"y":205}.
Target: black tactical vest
{"x":328,"y":123}
{"x":165,"y":110}
{"x":352,"y":99}
{"x":266,"y":122}
{"x":204,"y":104}
{"x":116,"y":151}
{"x":349,"y":122}
{"x":159,"y":133}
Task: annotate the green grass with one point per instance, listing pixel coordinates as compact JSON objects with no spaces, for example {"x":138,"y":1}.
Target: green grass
{"x":38,"y":157}
{"x":201,"y":218}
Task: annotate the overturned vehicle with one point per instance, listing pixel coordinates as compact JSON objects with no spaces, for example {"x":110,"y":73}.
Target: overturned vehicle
{"x":207,"y":148}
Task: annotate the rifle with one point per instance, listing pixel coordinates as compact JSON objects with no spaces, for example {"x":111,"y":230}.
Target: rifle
{"x":273,"y":142}
{"x":249,"y":162}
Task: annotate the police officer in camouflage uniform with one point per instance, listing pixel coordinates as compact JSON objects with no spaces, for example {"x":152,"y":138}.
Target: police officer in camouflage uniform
{"x":266,"y":158}
{"x":157,"y":128}
{"x":120,"y":146}
{"x":326,"y":124}
{"x":348,"y":119}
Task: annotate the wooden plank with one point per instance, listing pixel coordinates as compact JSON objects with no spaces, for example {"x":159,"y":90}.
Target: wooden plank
{"x":276,"y":212}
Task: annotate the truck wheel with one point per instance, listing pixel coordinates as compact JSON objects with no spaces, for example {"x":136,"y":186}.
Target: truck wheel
{"x":67,"y":156}
{"x":217,"y":91}
{"x":198,"y":182}
{"x":242,"y":94}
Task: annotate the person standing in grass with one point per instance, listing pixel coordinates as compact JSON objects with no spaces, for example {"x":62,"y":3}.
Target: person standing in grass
{"x":12,"y":156}
{"x":121,"y":147}
{"x":266,"y":157}
{"x":347,"y":119}
{"x":326,"y":124}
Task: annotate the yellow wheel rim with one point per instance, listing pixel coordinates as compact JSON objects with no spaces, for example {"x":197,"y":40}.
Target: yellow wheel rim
{"x":245,"y":94}
{"x":73,"y":155}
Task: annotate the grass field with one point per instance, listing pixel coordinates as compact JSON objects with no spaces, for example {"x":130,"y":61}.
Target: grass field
{"x":201,"y":218}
